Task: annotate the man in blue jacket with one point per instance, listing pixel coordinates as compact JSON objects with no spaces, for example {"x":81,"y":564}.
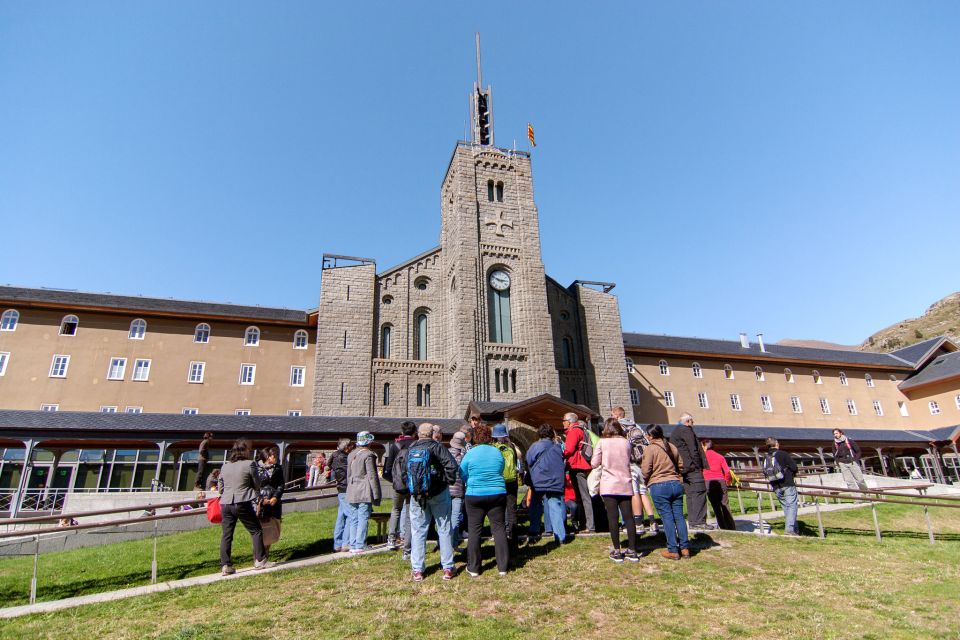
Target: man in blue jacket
{"x":545,"y":471}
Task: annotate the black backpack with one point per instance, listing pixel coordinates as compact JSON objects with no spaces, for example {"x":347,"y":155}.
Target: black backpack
{"x":772,"y":470}
{"x":398,"y":471}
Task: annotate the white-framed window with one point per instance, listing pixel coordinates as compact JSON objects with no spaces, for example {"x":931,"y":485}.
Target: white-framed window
{"x":141,"y":370}
{"x":817,"y":378}
{"x":702,"y":400}
{"x":50,"y":407}
{"x":108,"y":409}
{"x":956,"y":399}
{"x":190,"y":411}
{"x":902,"y":406}
{"x":568,"y":359}
{"x":934,"y":408}
{"x":735,"y":402}
{"x":765,"y":404}
{"x":296,"y":376}
{"x":133,"y":410}
{"x":788,"y":376}
{"x":668,"y":399}
{"x":248,"y":373}
{"x":728,"y":372}
{"x":5,"y":358}
{"x":117,"y":369}
{"x":758,"y":373}
{"x":878,"y":408}
{"x":664,"y":368}
{"x":138,"y":329}
{"x":202,"y":333}
{"x":196,"y":371}
{"x":59,"y":366}
{"x":697,"y":370}
{"x":825,"y":406}
{"x":843,"y":378}
{"x":251,"y":337}
{"x":869,"y":379}
{"x":242,"y":412}
{"x":634,"y":396}
{"x":851,"y":407}
{"x":69,"y":325}
{"x":9,"y":320}
{"x":294,"y":413}
{"x":795,"y":404}
{"x":300,"y":339}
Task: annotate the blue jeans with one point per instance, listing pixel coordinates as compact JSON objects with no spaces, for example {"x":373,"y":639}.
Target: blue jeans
{"x":668,"y":499}
{"x":359,"y":516}
{"x":555,"y":510}
{"x":341,"y":526}
{"x":456,"y":518}
{"x":788,"y":500}
{"x":438,"y":509}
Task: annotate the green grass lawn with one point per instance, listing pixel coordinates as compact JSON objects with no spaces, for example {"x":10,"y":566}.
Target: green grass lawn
{"x":736,"y":586}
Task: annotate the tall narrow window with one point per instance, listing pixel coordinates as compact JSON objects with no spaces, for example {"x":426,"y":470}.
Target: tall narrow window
{"x":138,"y":329}
{"x":496,"y":380}
{"x":300,"y":339}
{"x":634,"y":396}
{"x":795,"y":404}
{"x":385,"y":334}
{"x":426,"y":395}
{"x":878,"y":408}
{"x":703,"y":400}
{"x":825,"y":406}
{"x":386,"y":394}
{"x":505,"y":380}
{"x":728,"y":372}
{"x":420,"y":336}
{"x":117,"y":368}
{"x":202,"y":333}
{"x":758,"y":372}
{"x":765,"y":404}
{"x":501,"y":326}
{"x":419,"y":395}
{"x":490,"y":190}
{"x":68,"y":327}
{"x":668,"y":399}
{"x":664,"y":368}
{"x":934,"y":408}
{"x":4,"y":359}
{"x":566,"y":353}
{"x":697,"y":371}
{"x":9,"y":320}
{"x":851,"y":407}
{"x":296,"y":376}
{"x":343,"y":391}
{"x":869,"y":379}
{"x":499,"y":192}
{"x":251,"y":338}
{"x":843,"y":378}
{"x":248,"y":373}
{"x":513,"y":381}
{"x":630,"y":368}
{"x":59,"y":366}
{"x":195,"y":373}
{"x":141,"y":370}
{"x":735,"y":402}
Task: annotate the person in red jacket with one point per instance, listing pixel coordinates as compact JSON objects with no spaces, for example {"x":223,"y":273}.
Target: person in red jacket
{"x":717,"y":478}
{"x":574,"y":434}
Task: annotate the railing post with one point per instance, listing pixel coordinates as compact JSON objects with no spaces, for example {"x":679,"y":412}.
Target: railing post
{"x":36,"y":564}
{"x":876,"y":523}
{"x":760,"y":512}
{"x":926,"y":514}
{"x":153,"y":565}
{"x":816,"y":502}
{"x":740,"y":501}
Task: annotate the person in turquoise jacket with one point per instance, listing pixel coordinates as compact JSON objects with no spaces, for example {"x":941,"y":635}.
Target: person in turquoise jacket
{"x":485,"y":496}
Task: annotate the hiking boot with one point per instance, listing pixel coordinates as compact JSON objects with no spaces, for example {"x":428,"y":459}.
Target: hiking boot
{"x":685,"y":553}
{"x":227,"y":570}
{"x":631,"y":555}
{"x":669,"y":555}
{"x":418,"y":576}
{"x":448,"y":574}
{"x":617,"y":556}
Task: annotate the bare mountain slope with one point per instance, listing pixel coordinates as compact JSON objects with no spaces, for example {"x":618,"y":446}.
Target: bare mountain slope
{"x":942,"y":318}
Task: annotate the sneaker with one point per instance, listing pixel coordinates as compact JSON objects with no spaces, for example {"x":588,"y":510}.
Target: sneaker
{"x":406,"y":556}
{"x":227,"y":570}
{"x":654,"y":529}
{"x":359,"y":551}
{"x":631,"y":555}
{"x":685,"y":553}
{"x":391,"y":544}
{"x":448,"y":574}
{"x":669,"y":555}
{"x":616,"y":556}
{"x":343,"y":550}
{"x":472,"y":574}
{"x":263,"y":564}
{"x":502,"y":574}
{"x":418,"y":576}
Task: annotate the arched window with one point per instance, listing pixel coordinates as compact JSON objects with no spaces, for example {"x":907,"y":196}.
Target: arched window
{"x":788,"y":375}
{"x":426,"y":395}
{"x":9,"y":320}
{"x":758,"y":372}
{"x":869,"y":379}
{"x":252,"y":337}
{"x":728,"y":372}
{"x":419,"y":395}
{"x":386,"y":394}
{"x":385,"y":333}
{"x":496,"y":379}
{"x":420,"y":336}
{"x":138,"y":329}
{"x":817,"y":379}
{"x":843,"y":378}
{"x":664,"y":368}
{"x":300,"y":339}
{"x":490,"y":190}
{"x":499,"y":192}
{"x":501,"y":326}
{"x":68,"y":326}
{"x":202,"y":333}
{"x":566,"y":353}
{"x":697,"y":371}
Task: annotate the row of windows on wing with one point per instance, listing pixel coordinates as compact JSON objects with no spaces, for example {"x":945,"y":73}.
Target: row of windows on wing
{"x":423,"y":395}
{"x":138,"y":330}
{"x":758,"y":373}
{"x":117,"y":370}
{"x":766,"y":404}
{"x":187,"y":411}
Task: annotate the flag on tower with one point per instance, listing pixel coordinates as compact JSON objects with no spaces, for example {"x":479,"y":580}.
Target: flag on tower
{"x":530,"y":134}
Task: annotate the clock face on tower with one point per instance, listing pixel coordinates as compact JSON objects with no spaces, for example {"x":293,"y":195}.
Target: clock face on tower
{"x":500,"y":280}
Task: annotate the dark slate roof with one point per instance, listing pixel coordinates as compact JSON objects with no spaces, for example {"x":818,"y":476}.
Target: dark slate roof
{"x":917,"y":353}
{"x":942,"y":367}
{"x":774,"y":352}
{"x":65,"y":298}
{"x":756,"y":435}
{"x":88,"y":423}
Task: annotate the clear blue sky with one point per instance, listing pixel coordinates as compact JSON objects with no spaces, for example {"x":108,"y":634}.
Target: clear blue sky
{"x":791,"y":168}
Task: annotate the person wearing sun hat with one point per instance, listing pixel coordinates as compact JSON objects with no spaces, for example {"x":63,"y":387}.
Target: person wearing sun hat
{"x":363,"y":489}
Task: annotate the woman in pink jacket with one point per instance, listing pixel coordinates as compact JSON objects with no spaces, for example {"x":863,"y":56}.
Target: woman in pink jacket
{"x":612,"y":457}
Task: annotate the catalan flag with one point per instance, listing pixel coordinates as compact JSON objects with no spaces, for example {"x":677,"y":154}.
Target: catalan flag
{"x":530,"y":137}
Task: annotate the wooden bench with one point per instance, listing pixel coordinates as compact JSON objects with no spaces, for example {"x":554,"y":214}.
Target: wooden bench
{"x":382,"y":519}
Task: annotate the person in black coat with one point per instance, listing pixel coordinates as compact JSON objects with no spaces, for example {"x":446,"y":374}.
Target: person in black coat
{"x":694,"y":462}
{"x":270,"y":472}
{"x":338,"y":471}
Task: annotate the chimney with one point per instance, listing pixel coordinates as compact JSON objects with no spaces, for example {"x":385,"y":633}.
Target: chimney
{"x":743,"y":341}
{"x":763,"y":348}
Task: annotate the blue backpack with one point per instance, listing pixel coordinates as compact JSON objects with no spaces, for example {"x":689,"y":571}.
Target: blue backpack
{"x":419,"y":471}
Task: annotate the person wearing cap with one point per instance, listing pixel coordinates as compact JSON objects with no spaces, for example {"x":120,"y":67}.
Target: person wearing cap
{"x":363,"y":489}
{"x":435,"y":506}
{"x":485,"y":497}
{"x":511,"y":476}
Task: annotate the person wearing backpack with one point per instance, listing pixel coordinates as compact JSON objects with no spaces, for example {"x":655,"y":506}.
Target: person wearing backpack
{"x":779,"y":469}
{"x":577,"y":450}
{"x":485,"y":496}
{"x":640,"y":502}
{"x":846,"y":452}
{"x":429,"y":473}
{"x":392,"y":464}
{"x":662,"y":469}
{"x":612,"y":457}
{"x":511,"y":476}
{"x":545,"y":476}
{"x":694,"y":462}
{"x":363,"y":489}
{"x":342,"y":533}
{"x":457,"y":448}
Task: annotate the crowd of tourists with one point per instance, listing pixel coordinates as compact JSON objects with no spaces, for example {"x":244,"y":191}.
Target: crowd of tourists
{"x":477,"y":477}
